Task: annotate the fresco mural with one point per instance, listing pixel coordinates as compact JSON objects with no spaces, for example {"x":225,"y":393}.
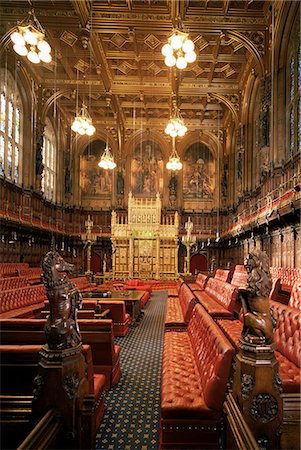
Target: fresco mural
{"x":94,"y":181}
{"x":198,"y":169}
{"x":147,"y":169}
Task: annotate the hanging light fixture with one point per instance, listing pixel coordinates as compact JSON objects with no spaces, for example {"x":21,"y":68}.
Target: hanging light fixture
{"x":179,"y":51}
{"x":29,"y":40}
{"x":176,"y":126}
{"x":107,"y":159}
{"x":174,"y":162}
{"x":82,"y":123}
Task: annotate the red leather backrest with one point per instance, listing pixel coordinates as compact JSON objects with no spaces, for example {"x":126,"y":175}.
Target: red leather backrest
{"x":295,"y":298}
{"x":187,"y":301}
{"x":213,"y":354}
{"x":240,"y":276}
{"x":222,"y":275}
{"x":201,"y":280}
{"x":287,"y":332}
{"x":224,"y":293}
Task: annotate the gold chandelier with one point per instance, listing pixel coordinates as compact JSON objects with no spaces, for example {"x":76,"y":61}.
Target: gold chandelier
{"x":82,"y":123}
{"x":176,"y":126}
{"x":179,"y":51}
{"x":30,"y":41}
{"x":174,"y":162}
{"x":107,"y":159}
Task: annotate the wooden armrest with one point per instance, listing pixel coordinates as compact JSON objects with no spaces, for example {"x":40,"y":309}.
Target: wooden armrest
{"x":103,"y":315}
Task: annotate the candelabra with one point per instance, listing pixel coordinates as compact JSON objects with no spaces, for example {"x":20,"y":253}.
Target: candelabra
{"x":88,"y":238}
{"x":188,"y":240}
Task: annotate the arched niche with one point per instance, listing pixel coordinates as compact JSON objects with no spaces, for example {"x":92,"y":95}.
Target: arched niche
{"x":146,"y":169}
{"x":198,"y":173}
{"x":95,"y":183}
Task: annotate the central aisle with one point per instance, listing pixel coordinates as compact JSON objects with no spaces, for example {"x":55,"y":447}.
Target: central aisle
{"x":132,"y":418}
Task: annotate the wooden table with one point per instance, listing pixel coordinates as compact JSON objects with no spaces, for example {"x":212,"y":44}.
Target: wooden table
{"x":131,"y":299}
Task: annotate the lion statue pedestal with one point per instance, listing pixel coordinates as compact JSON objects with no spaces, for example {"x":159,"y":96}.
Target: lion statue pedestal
{"x":256,"y":383}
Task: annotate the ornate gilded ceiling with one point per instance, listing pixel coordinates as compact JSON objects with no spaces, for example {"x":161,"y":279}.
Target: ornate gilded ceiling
{"x":109,"y":51}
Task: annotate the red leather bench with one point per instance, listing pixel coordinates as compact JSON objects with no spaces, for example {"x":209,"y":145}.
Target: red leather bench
{"x":196,"y":367}
{"x":83,"y":284}
{"x":240,"y":276}
{"x":96,"y":333}
{"x":10,"y":269}
{"x":32,"y":273}
{"x":117,"y":312}
{"x":179,"y":309}
{"x":24,"y":359}
{"x":138,"y":285}
{"x":295,"y":297}
{"x":288,"y":276}
{"x":222,"y":275}
{"x":174,"y":292}
{"x":22,"y":300}
{"x":218,"y":298}
{"x":287,"y":342}
{"x":200,"y":282}
{"x":9,"y":283}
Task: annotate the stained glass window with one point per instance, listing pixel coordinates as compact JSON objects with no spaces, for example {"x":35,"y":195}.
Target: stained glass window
{"x":11,"y":120}
{"x":293,"y":106}
{"x":2,"y":147}
{"x":49,"y":158}
{"x":2,"y":112}
{"x":292,"y":78}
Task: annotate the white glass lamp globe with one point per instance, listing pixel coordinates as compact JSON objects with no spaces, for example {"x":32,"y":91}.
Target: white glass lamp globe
{"x":75,"y":126}
{"x":17,"y":38}
{"x":173,"y":133}
{"x":188,"y":46}
{"x":30,"y":37}
{"x":90,"y":130}
{"x":20,"y":49}
{"x":81,"y":131}
{"x":33,"y":57}
{"x":181,"y":63}
{"x":45,"y":57}
{"x":181,"y":132}
{"x":190,"y":57}
{"x":167,"y":50}
{"x":170,"y":60}
{"x":44,"y":47}
{"x":176,"y":42}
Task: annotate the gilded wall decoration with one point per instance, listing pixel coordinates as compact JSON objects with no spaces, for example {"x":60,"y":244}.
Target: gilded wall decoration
{"x":94,"y":181}
{"x":198,"y":170}
{"x":147,"y":169}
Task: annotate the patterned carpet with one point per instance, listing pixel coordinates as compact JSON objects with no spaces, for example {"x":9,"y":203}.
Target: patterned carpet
{"x":132,"y":415}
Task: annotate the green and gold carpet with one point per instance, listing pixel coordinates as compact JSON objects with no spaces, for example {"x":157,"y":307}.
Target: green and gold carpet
{"x":132,"y":416}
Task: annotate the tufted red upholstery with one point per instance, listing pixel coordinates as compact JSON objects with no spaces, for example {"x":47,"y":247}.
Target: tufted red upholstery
{"x":240,"y":276}
{"x":287,"y":342}
{"x":174,"y":292}
{"x":25,"y":358}
{"x":200,"y":282}
{"x":12,"y":283}
{"x":96,"y":333}
{"x":288,"y":276}
{"x":179,"y":309}
{"x":218,"y":298}
{"x":222,"y":275}
{"x":196,"y":366}
{"x":15,"y":299}
{"x":139,"y":285}
{"x":121,"y":319}
{"x":10,"y":269}
{"x":295,"y":298}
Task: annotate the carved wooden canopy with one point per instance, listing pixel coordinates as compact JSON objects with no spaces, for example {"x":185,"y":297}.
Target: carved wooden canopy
{"x":109,"y":51}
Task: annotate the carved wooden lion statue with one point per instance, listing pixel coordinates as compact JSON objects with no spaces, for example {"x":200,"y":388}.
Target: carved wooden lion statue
{"x":258,"y":322}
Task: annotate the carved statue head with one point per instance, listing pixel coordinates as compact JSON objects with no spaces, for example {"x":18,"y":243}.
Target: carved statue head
{"x":258,"y":268}
{"x":52,"y":265}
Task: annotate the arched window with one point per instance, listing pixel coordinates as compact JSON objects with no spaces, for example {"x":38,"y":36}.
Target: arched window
{"x":49,"y":162}
{"x":11,"y":128}
{"x":293,"y":93}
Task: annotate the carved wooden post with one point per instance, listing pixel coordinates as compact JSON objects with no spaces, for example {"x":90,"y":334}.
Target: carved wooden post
{"x":256,"y":383}
{"x":61,"y":382}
